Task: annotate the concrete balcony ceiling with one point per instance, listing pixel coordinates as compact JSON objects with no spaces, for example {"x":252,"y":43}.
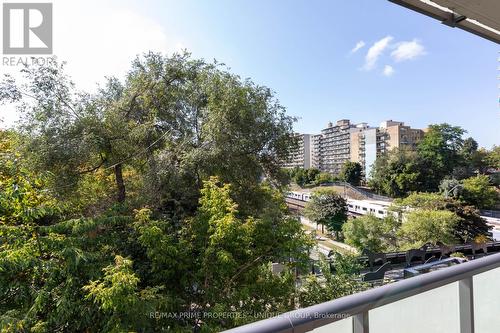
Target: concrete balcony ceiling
{"x":480,"y":17}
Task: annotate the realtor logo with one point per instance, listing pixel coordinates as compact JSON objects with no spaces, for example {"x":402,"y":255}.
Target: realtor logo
{"x":27,"y":28}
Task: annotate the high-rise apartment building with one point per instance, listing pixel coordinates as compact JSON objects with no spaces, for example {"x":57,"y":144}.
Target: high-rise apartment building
{"x":315,"y":151}
{"x":334,"y":146}
{"x":370,"y":142}
{"x":366,"y":145}
{"x":344,"y":141}
{"x":398,"y":135}
{"x":300,"y":156}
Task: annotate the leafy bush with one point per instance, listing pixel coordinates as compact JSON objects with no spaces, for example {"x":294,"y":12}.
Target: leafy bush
{"x":478,"y":192}
{"x":370,"y":232}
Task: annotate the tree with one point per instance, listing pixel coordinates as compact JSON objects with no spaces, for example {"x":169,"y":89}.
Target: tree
{"x":397,"y":173}
{"x":323,"y":178}
{"x":351,"y":173}
{"x":372,"y":233}
{"x":493,"y":158}
{"x":345,"y":264}
{"x":216,"y":262}
{"x":477,"y":191}
{"x":470,"y":160}
{"x":451,"y":188}
{"x":470,"y":226}
{"x":173,"y":123}
{"x":118,"y":294}
{"x":193,"y":225}
{"x":303,"y":176}
{"x":311,"y":174}
{"x":441,"y":154}
{"x":23,"y":199}
{"x":423,"y":226}
{"x":440,"y":151}
{"x":300,"y":176}
{"x":226,"y":254}
{"x":77,"y":134}
{"x":328,"y":209}
{"x":330,"y":286}
{"x":469,"y":147}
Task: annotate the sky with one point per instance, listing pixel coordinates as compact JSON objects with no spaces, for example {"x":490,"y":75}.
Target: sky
{"x":363,"y":60}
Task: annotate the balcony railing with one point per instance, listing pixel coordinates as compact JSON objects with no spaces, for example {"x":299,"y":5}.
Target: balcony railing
{"x":464,"y":298}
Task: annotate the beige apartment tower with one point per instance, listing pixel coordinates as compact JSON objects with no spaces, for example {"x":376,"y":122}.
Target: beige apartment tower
{"x":398,"y":135}
{"x":343,"y":141}
{"x":370,"y":142}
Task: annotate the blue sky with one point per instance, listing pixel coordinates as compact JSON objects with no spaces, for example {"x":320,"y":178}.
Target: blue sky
{"x":301,"y":49}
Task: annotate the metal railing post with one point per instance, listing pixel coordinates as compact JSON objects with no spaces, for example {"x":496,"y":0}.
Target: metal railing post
{"x":466,"y":304}
{"x":360,"y":323}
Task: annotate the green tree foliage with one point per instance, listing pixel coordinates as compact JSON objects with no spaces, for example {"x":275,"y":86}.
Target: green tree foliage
{"x":477,"y":191}
{"x":346,"y":264}
{"x":118,"y":296}
{"x":469,"y":148}
{"x":422,"y":226}
{"x":441,"y":155}
{"x":323,"y":178}
{"x":327,"y":208}
{"x":217,"y":262}
{"x":230,"y":251}
{"x":299,"y":176}
{"x":479,"y":162}
{"x":159,"y":194}
{"x":303,"y":176}
{"x":397,"y":173}
{"x":329,"y":286}
{"x":370,"y":232}
{"x":440,"y":151}
{"x":351,"y":173}
{"x":451,"y":188}
{"x":493,"y":158}
{"x":482,"y":161}
{"x":470,"y":225}
{"x":312,"y":173}
{"x":23,"y":200}
{"x":174,"y":122}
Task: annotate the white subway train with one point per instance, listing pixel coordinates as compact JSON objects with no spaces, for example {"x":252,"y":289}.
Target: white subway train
{"x":355,"y":207}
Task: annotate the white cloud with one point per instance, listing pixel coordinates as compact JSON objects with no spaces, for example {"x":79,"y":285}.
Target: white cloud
{"x":408,"y":50}
{"x":388,"y":70}
{"x":375,"y":51}
{"x":358,"y":46}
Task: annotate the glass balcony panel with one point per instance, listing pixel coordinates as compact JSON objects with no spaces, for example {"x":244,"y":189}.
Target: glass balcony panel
{"x":434,"y":311}
{"x":487,"y":301}
{"x":341,"y":326}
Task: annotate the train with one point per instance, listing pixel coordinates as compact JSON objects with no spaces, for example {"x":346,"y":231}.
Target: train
{"x":355,"y":207}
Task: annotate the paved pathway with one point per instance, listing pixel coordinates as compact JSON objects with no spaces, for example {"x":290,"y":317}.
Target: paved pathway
{"x":325,"y":238}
